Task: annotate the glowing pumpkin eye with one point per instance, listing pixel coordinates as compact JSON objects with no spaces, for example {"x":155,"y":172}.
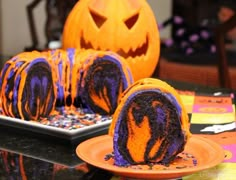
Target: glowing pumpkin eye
{"x":131,"y":21}
{"x":98,"y":19}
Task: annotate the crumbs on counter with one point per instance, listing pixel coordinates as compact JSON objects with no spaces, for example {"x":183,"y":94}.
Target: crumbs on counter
{"x":182,"y":161}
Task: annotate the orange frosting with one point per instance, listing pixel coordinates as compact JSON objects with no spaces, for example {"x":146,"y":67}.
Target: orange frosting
{"x":67,"y":70}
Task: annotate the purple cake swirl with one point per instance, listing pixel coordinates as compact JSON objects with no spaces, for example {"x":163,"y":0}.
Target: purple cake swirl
{"x":27,"y":90}
{"x":150,"y":124}
{"x":103,"y":77}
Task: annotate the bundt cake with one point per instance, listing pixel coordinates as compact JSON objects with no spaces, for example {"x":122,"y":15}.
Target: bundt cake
{"x":34,"y":84}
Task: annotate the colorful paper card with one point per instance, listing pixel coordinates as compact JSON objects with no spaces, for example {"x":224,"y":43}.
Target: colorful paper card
{"x":209,"y":108}
{"x":221,"y":172}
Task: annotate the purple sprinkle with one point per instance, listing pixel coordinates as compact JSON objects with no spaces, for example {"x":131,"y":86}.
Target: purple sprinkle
{"x":213,"y":48}
{"x":160,"y":26}
{"x":189,"y":51}
{"x":74,"y":119}
{"x":169,"y":42}
{"x":194,"y":162}
{"x":194,"y":38}
{"x":109,"y":156}
{"x":205,"y":34}
{"x":178,"y":20}
{"x":180,"y":32}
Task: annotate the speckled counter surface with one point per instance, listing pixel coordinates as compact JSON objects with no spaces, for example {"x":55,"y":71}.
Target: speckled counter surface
{"x":23,"y":156}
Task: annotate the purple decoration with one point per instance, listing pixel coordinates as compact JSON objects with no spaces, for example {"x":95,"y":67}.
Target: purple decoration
{"x":178,"y":20}
{"x":71,"y":55}
{"x":204,"y":34}
{"x":213,"y":49}
{"x":60,"y":87}
{"x":160,"y":26}
{"x":194,"y":37}
{"x":169,"y":42}
{"x":180,"y":32}
{"x":189,"y":51}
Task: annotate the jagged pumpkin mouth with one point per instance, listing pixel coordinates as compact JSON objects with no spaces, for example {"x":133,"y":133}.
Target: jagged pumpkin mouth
{"x":139,"y":51}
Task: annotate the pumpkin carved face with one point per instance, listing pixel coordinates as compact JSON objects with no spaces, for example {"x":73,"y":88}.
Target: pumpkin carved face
{"x":127,"y":27}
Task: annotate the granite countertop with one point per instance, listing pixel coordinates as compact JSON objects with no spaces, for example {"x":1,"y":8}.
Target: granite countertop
{"x":41,"y":158}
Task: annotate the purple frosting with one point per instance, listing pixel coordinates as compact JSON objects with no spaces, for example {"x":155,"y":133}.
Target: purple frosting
{"x":18,"y":79}
{"x":33,"y":82}
{"x":71,"y":55}
{"x":60,"y":86}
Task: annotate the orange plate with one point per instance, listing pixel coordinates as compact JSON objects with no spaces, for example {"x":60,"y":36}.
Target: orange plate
{"x":207,"y":153}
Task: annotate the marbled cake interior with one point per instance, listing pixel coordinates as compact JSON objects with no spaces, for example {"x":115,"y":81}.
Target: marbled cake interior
{"x":149,"y":125}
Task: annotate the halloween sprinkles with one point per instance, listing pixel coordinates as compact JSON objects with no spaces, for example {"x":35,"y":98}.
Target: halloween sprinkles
{"x":72,"y":119}
{"x":182,"y":161}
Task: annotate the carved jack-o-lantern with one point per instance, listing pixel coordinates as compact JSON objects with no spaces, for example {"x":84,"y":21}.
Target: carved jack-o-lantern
{"x":127,"y":27}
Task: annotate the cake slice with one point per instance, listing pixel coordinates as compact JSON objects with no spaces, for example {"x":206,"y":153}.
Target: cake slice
{"x":150,"y":124}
